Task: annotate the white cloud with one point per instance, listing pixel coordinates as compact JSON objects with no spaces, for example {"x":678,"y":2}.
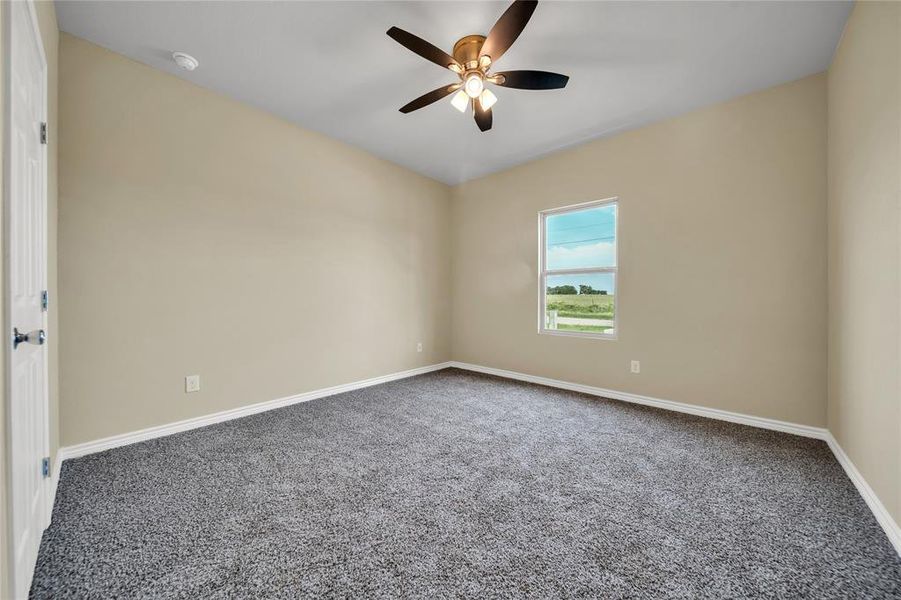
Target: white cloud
{"x":598,"y":254}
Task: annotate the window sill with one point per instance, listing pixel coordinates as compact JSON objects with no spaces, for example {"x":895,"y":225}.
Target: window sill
{"x":578,"y":334}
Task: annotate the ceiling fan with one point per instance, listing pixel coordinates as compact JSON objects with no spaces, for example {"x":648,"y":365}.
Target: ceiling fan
{"x":473,"y":57}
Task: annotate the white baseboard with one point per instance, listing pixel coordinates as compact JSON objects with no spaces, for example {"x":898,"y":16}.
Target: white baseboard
{"x":892,"y":530}
{"x":691,"y":409}
{"x":227,"y":415}
{"x":879,"y":511}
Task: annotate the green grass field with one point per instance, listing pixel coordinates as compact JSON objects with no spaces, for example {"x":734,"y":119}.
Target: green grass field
{"x":581,"y":306}
{"x":584,"y":328}
{"x":580,"y":299}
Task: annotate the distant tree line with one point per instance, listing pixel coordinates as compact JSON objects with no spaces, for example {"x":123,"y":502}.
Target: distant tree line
{"x":590,"y":291}
{"x":562,"y":290}
{"x":570,"y":290}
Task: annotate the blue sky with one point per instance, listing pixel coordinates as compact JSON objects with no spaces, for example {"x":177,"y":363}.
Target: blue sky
{"x":582,"y":239}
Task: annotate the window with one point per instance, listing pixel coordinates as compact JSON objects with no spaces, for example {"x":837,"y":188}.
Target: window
{"x":578,"y":270}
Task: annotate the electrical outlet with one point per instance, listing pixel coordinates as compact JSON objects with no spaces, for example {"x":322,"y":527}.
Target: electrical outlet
{"x":192,"y":383}
{"x":419,"y":347}
{"x":636,"y":366}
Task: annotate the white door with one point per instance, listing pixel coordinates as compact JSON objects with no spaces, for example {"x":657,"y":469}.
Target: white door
{"x":27,"y":240}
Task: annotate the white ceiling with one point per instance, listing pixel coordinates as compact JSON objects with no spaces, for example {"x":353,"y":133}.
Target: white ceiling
{"x":328,"y":66}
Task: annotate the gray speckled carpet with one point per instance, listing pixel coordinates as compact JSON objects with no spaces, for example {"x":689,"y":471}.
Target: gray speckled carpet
{"x":458,"y":484}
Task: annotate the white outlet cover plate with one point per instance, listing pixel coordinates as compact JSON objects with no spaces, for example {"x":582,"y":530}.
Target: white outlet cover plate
{"x":192,"y":383}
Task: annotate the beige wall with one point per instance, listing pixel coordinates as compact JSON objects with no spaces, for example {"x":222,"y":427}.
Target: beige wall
{"x":173,"y":223}
{"x":181,"y":211}
{"x":722,"y":282}
{"x":46,"y":14}
{"x":200,"y":236}
{"x":865,"y":247}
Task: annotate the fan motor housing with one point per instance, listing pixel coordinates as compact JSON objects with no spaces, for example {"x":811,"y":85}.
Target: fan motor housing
{"x":466,"y":50}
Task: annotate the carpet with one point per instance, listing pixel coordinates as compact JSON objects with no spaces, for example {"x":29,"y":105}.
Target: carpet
{"x":465,"y":485}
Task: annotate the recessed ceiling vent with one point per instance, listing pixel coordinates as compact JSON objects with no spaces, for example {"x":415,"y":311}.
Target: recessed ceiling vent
{"x":185,"y":61}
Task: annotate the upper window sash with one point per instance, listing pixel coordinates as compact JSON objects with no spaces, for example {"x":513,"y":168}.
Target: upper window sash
{"x":580,"y":238}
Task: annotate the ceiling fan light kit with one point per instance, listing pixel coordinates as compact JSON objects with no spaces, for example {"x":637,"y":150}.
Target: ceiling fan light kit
{"x":460,"y":101}
{"x":487,"y":99}
{"x":472,"y":58}
{"x":474,"y":85}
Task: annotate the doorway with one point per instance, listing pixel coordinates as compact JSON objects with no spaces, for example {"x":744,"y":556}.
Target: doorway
{"x":25,"y":232}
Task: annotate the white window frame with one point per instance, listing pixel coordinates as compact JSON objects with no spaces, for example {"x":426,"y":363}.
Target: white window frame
{"x":543,"y":271}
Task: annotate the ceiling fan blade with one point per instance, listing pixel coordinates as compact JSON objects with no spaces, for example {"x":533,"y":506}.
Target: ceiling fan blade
{"x":507,"y":28}
{"x":483,"y":117}
{"x":423,"y":48}
{"x":532,"y":80}
{"x":433,"y":96}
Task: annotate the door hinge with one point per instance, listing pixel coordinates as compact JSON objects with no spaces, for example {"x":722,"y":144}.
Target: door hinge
{"x":45,"y":466}
{"x":43,"y":133}
{"x":45,"y":300}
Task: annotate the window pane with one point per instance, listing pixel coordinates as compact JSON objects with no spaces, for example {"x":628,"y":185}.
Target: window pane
{"x":584,"y":238}
{"x":580,"y":302}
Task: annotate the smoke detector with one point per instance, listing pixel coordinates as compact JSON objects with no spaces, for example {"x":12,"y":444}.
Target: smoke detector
{"x":185,"y":61}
